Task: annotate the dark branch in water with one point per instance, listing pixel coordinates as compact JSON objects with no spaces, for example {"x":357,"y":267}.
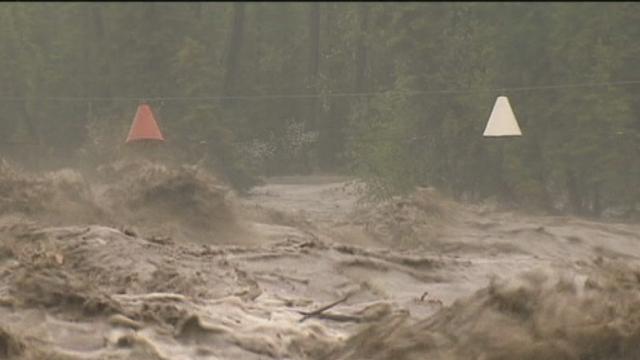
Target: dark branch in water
{"x":319,"y":312}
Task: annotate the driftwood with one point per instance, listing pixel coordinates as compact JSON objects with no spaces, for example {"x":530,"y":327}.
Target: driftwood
{"x":340,"y":317}
{"x":319,"y":312}
{"x":151,"y":297}
{"x":430,"y":301}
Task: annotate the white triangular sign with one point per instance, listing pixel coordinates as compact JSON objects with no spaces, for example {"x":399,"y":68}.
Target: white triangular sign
{"x":502,"y":121}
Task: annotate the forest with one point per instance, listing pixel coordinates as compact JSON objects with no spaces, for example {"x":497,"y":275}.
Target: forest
{"x":397,"y":94}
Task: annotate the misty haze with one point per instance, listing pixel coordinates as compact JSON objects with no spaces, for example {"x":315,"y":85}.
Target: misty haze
{"x":319,"y":181}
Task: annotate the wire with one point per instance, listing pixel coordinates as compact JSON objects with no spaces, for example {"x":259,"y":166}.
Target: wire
{"x":327,"y":95}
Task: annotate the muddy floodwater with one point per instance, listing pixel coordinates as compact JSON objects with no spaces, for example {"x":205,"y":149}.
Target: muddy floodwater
{"x":300,"y":269}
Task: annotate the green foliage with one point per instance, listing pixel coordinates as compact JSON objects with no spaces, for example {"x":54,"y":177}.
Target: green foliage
{"x":579,"y":144}
{"x":381,"y":145}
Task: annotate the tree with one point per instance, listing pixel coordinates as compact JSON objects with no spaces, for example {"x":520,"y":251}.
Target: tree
{"x":236,"y":37}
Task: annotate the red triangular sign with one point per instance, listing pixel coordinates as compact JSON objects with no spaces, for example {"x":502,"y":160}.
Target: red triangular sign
{"x":144,"y":126}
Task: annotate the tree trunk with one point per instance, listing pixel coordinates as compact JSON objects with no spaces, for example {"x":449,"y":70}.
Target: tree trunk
{"x":233,"y":50}
{"x":35,"y":156}
{"x":314,"y":67}
{"x":87,"y":58}
{"x":505,"y":192}
{"x":574,"y":192}
{"x":361,"y":51}
{"x":537,"y":157}
{"x":596,"y":208}
{"x":100,"y":56}
{"x":197,"y":10}
{"x":314,"y":58}
{"x":156,"y":66}
{"x":31,"y":126}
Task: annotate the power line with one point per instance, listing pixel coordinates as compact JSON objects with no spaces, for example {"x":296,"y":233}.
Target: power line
{"x":326,"y":95}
